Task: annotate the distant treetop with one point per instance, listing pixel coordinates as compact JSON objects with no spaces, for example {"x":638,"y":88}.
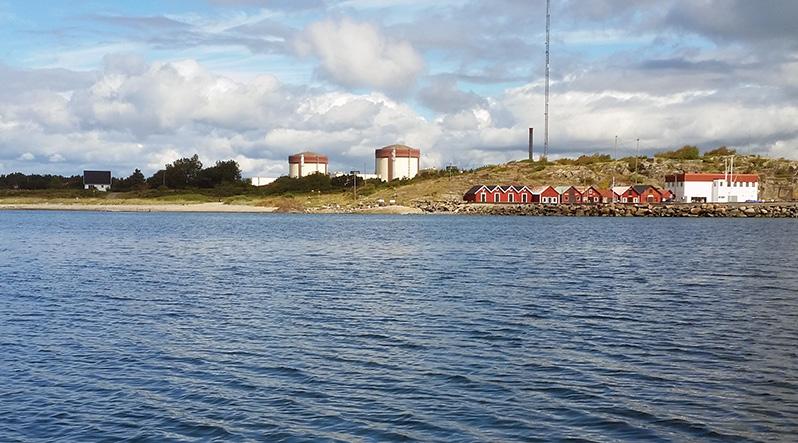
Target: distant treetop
{"x":719,"y":152}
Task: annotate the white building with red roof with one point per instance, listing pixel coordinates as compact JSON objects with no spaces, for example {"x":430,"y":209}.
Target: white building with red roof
{"x":693,"y":187}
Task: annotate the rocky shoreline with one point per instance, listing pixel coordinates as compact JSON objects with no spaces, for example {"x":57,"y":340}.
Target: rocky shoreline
{"x":768,"y":210}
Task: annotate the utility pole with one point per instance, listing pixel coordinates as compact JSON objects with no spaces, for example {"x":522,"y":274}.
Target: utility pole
{"x":637,"y":156}
{"x":354,"y":183}
{"x":548,"y":35}
{"x":614,"y":156}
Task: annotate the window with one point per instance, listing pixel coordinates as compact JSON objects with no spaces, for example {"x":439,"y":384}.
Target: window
{"x":625,"y":200}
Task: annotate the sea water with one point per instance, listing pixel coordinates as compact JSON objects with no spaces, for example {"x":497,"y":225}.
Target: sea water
{"x":235,"y":327}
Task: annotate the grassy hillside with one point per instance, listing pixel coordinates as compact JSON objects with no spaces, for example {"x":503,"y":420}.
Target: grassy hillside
{"x":779,"y":177}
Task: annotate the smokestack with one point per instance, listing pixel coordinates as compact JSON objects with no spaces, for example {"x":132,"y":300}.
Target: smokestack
{"x":531,"y":132}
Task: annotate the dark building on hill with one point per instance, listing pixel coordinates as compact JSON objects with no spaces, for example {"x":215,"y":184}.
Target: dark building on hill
{"x":98,"y":180}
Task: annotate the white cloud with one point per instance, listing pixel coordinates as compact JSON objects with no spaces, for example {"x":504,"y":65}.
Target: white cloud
{"x":134,"y":116}
{"x":357,"y":54}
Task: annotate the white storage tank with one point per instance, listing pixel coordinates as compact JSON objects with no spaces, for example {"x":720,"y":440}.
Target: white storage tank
{"x":397,"y":162}
{"x":306,"y":163}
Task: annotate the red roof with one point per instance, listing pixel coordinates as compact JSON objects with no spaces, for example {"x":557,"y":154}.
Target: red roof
{"x":708,"y":177}
{"x":607,"y":193}
{"x":310,"y":157}
{"x":398,"y":150}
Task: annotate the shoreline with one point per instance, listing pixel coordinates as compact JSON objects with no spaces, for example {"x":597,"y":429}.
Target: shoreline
{"x":727,"y":210}
{"x":740,"y":210}
{"x":166,"y":207}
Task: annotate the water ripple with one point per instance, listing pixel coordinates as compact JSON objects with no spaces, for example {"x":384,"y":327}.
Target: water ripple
{"x":209,"y":327}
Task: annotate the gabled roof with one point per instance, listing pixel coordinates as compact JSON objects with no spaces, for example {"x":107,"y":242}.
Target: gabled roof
{"x":620,"y":189}
{"x":563,"y":189}
{"x":474,"y":189}
{"x":492,"y":188}
{"x":537,"y":190}
{"x":640,"y":189}
{"x":583,"y":189}
{"x":607,"y":193}
{"x":97,"y":178}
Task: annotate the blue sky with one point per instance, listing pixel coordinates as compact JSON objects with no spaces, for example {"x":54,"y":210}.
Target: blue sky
{"x":128,"y":85}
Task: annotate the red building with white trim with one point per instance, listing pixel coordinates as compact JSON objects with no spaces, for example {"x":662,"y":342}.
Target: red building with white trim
{"x":591,"y":195}
{"x":641,"y":194}
{"x":499,"y":194}
{"x":546,"y":195}
{"x":569,"y":195}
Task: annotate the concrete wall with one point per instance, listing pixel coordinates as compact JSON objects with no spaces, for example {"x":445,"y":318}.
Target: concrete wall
{"x":306,"y":169}
{"x":714,"y":191}
{"x":396,"y":168}
{"x":736,"y":192}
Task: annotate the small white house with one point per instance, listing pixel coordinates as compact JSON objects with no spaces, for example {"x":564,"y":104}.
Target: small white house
{"x":97,"y":180}
{"x":690,"y":187}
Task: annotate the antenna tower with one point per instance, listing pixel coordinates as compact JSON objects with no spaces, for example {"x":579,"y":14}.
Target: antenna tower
{"x":546,"y":128}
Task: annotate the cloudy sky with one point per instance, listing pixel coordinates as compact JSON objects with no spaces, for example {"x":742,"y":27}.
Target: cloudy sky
{"x":137,"y":84}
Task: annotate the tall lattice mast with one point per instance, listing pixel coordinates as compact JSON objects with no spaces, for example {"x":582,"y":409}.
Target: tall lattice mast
{"x":546,"y":127}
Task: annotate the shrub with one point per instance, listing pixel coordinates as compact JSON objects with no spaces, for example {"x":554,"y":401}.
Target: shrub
{"x":721,"y":151}
{"x":584,"y":160}
{"x":686,"y":152}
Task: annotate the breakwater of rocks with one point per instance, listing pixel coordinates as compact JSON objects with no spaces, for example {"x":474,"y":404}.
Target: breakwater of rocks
{"x":770,"y":210}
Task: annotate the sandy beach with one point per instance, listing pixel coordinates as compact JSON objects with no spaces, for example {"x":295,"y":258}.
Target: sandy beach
{"x":194,"y":207}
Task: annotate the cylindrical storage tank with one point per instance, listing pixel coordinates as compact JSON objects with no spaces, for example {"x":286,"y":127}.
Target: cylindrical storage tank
{"x":396,"y":162}
{"x":306,"y":163}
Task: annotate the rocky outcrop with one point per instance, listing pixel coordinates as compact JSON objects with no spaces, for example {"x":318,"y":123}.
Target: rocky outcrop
{"x":770,"y":210}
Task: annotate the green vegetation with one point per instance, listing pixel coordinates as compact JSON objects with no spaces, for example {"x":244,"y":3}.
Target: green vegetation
{"x":184,"y":173}
{"x":720,"y":152}
{"x":585,"y":160}
{"x":18,"y":180}
{"x":186,"y":181}
{"x":686,"y":152}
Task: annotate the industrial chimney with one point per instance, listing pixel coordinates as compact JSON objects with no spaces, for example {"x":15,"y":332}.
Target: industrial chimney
{"x":531,"y":131}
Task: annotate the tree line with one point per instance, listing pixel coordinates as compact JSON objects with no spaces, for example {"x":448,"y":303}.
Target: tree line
{"x":183,"y":173}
